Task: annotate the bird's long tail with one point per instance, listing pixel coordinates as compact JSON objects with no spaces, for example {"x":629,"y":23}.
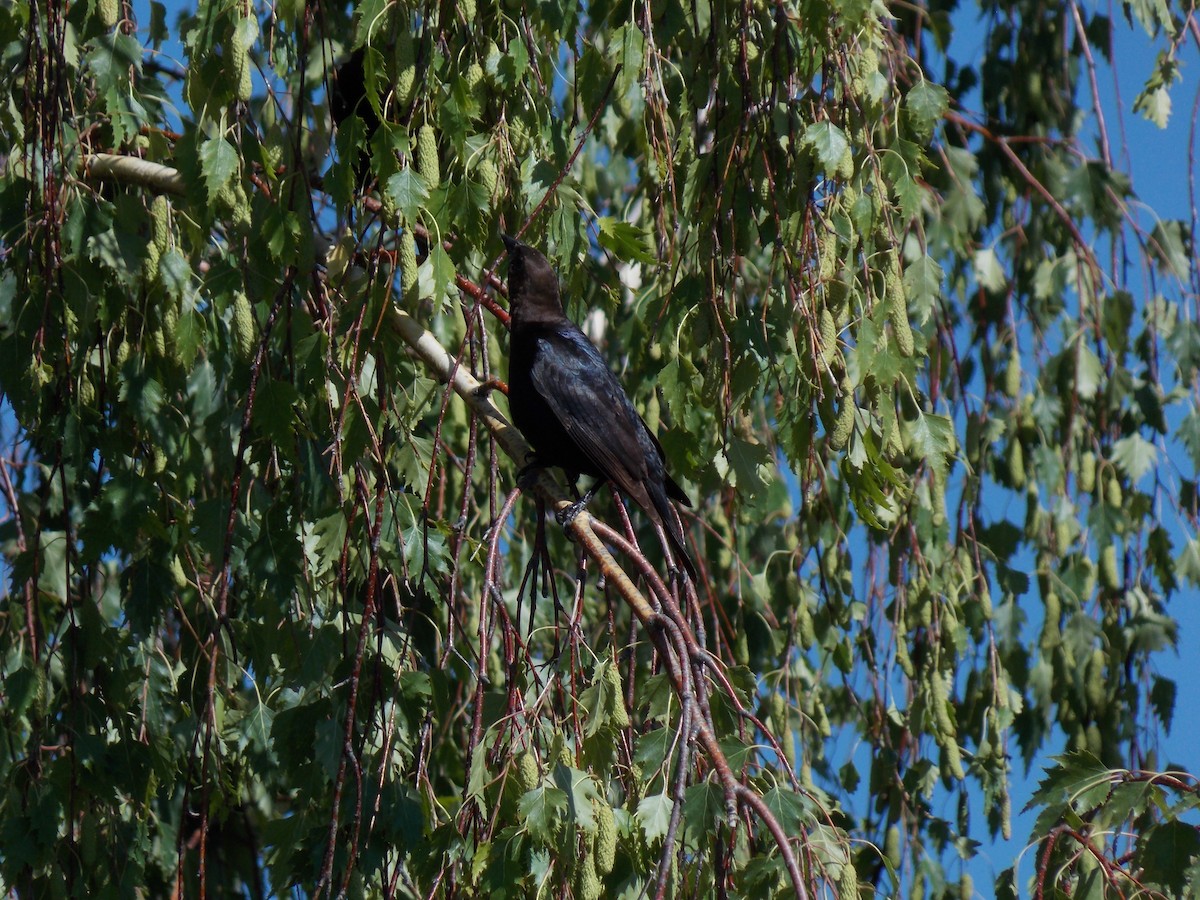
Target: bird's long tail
{"x":674,"y":531}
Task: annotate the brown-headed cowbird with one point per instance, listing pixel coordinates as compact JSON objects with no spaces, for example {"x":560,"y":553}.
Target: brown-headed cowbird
{"x":570,"y":406}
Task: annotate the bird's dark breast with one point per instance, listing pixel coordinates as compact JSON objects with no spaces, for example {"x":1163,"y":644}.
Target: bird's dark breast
{"x":536,"y":420}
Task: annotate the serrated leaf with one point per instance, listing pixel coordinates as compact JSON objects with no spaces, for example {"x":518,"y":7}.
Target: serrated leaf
{"x":175,"y":273}
{"x":408,"y":189}
{"x":746,"y":460}
{"x":1135,"y":456}
{"x":1187,"y":566}
{"x":539,"y":808}
{"x":828,"y":141}
{"x":218,"y":164}
{"x":926,"y":104}
{"x":625,"y":241}
{"x":1162,"y":700}
{"x":933,"y":439}
{"x":1169,"y":245}
{"x":923,"y":285}
{"x":654,"y":815}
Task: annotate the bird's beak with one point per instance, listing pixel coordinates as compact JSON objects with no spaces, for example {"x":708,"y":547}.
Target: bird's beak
{"x":510,"y":243}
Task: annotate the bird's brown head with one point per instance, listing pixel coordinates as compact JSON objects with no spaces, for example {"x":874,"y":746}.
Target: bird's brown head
{"x":532,"y":282}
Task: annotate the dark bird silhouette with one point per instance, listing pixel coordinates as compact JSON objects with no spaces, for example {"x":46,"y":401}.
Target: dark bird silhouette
{"x":347,"y":97}
{"x":570,"y":406}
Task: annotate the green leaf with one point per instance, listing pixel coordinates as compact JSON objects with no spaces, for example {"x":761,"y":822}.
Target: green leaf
{"x":1187,"y":567}
{"x":988,"y":271}
{"x":540,"y":808}
{"x":1165,"y":853}
{"x":829,"y":142}
{"x":112,"y":57}
{"x":926,"y":103}
{"x":1135,"y":456}
{"x":625,"y":241}
{"x":923,"y":286}
{"x":1162,"y":700}
{"x":933,"y":440}
{"x":219,"y":164}
{"x":409,"y":192}
{"x":1169,"y":244}
{"x":1089,"y":372}
{"x":654,"y":815}
{"x":175,"y":274}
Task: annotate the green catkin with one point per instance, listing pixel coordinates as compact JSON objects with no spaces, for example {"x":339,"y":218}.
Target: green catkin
{"x":1087,"y":472}
{"x":1110,"y":575}
{"x":805,"y":626}
{"x":620,"y":716}
{"x":150,"y":263}
{"x":474,"y":76}
{"x":1052,"y":623}
{"x":1062,"y":534}
{"x":897,"y":309}
{"x":606,"y":838}
{"x":891,"y":847}
{"x":108,"y":11}
{"x":777,"y":708}
{"x":903,"y":660}
{"x":170,"y":318}
{"x":954,"y":759}
{"x":827,"y":258}
{"x":1112,"y":491}
{"x":489,"y":177}
{"x":406,"y":68}
{"x":844,"y":424}
{"x":1016,"y":463}
{"x":243,"y":326}
{"x":240,"y":208}
{"x":245,"y":31}
{"x":427,"y":156}
{"x":587,"y":881}
{"x":160,"y":223}
{"x":1005,"y":814}
{"x":940,"y":689}
{"x":847,"y":888}
{"x":828,"y":336}
{"x":527,"y":773}
{"x":845,"y":166}
{"x":1012,"y":374}
{"x":1093,"y":681}
{"x":408,"y":262}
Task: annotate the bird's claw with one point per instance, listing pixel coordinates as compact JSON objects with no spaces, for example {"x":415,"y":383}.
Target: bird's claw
{"x":568,"y":514}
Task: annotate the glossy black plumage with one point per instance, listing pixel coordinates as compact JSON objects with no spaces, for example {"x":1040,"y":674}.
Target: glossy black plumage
{"x":570,"y":406}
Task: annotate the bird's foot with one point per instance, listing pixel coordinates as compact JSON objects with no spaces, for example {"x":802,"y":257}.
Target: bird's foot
{"x":568,"y":514}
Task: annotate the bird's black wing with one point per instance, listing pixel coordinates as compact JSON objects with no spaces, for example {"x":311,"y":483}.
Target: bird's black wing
{"x":588,"y":401}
